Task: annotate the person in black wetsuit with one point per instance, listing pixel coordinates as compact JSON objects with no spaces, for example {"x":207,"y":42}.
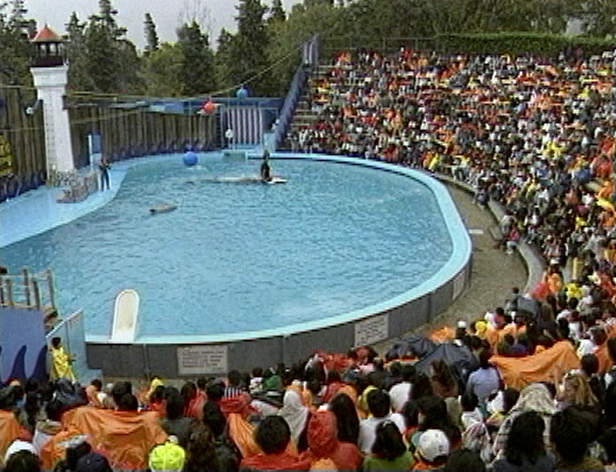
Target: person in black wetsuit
{"x":103,"y":167}
{"x":265,"y":168}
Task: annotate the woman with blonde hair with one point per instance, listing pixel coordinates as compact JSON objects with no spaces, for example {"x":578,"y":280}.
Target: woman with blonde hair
{"x":575,"y":390}
{"x":576,"y":394}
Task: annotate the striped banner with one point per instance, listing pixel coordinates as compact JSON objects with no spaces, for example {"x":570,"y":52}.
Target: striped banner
{"x":246,"y":123}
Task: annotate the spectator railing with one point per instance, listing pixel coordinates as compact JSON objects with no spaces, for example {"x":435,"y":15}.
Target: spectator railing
{"x":29,"y":291}
{"x":310,"y":60}
{"x":71,"y":331}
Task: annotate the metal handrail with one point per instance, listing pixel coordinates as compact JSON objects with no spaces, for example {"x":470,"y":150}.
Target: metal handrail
{"x":28,"y":290}
{"x":309,"y":61}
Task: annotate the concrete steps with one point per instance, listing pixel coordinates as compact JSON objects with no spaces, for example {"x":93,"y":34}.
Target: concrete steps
{"x":304,"y":116}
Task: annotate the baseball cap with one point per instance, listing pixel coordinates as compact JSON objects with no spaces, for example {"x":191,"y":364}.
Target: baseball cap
{"x":433,"y":444}
{"x":168,"y":456}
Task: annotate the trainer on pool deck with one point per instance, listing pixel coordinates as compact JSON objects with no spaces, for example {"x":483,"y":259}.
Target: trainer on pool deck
{"x":265,"y":168}
{"x":103,"y":167}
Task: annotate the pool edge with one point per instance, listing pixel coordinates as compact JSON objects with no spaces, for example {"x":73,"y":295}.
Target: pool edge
{"x":177,"y":356}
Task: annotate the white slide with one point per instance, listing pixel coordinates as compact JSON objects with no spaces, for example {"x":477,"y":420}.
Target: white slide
{"x":125,"y":313}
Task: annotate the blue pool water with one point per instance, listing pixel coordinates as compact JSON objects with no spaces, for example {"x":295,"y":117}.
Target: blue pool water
{"x":243,"y":257}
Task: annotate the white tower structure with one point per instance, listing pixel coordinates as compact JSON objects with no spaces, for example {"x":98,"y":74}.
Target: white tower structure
{"x":50,"y":78}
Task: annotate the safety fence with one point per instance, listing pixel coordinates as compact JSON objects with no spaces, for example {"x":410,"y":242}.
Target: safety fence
{"x":310,"y":61}
{"x":71,"y":331}
{"x":26,"y":290}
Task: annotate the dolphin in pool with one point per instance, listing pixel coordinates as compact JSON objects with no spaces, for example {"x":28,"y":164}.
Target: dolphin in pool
{"x":163,"y":208}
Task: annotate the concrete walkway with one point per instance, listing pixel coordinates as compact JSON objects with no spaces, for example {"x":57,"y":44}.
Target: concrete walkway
{"x":38,"y":210}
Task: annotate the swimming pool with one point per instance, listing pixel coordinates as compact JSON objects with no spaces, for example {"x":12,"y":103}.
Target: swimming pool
{"x":243,"y":257}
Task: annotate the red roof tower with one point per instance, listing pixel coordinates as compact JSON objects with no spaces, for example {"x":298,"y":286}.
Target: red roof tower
{"x":49,"y":48}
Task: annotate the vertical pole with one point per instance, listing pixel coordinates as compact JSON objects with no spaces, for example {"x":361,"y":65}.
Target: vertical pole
{"x":9,"y":291}
{"x":26,"y":282}
{"x":50,"y":288}
{"x":2,"y":292}
{"x":36,"y":294}
{"x":193,"y":125}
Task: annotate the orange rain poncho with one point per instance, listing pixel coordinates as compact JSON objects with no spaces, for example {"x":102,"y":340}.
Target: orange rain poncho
{"x":517,"y":372}
{"x":126,"y":437}
{"x":10,"y":430}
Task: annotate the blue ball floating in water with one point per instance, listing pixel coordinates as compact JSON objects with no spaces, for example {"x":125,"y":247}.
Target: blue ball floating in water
{"x":190,"y":159}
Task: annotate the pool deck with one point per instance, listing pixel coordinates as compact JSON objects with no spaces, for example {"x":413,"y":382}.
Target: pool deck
{"x":37,"y":211}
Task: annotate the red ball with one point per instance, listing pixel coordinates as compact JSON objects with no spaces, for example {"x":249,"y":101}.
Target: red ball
{"x":208,"y":107}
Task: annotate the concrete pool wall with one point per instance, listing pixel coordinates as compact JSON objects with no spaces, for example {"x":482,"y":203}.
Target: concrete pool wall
{"x":189,"y":356}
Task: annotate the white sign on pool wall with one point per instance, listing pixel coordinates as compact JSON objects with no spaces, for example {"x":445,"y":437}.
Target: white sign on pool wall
{"x":196,"y":360}
{"x":372,"y":330}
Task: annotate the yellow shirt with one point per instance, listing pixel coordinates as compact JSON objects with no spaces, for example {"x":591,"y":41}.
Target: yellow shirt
{"x":60,"y":365}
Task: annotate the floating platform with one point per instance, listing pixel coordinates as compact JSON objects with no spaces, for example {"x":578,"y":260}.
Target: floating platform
{"x":241,"y":154}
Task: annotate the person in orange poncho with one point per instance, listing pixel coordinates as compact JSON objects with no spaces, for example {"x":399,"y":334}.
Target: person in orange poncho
{"x":599,"y":337}
{"x":494,"y":330}
{"x":10,"y":429}
{"x":323,"y":442}
{"x":195,"y":407}
{"x":550,"y":284}
{"x":273,"y":436}
{"x":126,"y":436}
{"x":334,"y":384}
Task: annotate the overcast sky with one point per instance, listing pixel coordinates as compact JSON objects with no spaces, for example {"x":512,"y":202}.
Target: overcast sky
{"x":216,"y":14}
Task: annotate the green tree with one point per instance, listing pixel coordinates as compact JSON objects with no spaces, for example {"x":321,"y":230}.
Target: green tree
{"x":18,"y":19}
{"x":106,"y":18}
{"x":76,"y":51}
{"x":112,"y":63}
{"x":15,"y":48}
{"x":250,"y":49}
{"x":224,"y":59}
{"x":312,"y":3}
{"x":151,"y":37}
{"x":162,"y":71}
{"x":197,"y":71}
{"x":599,"y":17}
{"x":129,"y":79}
{"x":102,"y":58}
{"x":286,"y":38}
{"x":277,"y":12}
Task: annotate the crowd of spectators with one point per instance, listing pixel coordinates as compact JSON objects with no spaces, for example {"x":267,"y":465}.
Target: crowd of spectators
{"x":537,"y":135}
{"x":528,"y":386}
{"x":331,"y":412}
{"x":357,"y":411}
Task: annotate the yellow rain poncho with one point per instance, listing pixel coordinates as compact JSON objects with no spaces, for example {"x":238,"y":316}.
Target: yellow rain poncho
{"x":60,"y":364}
